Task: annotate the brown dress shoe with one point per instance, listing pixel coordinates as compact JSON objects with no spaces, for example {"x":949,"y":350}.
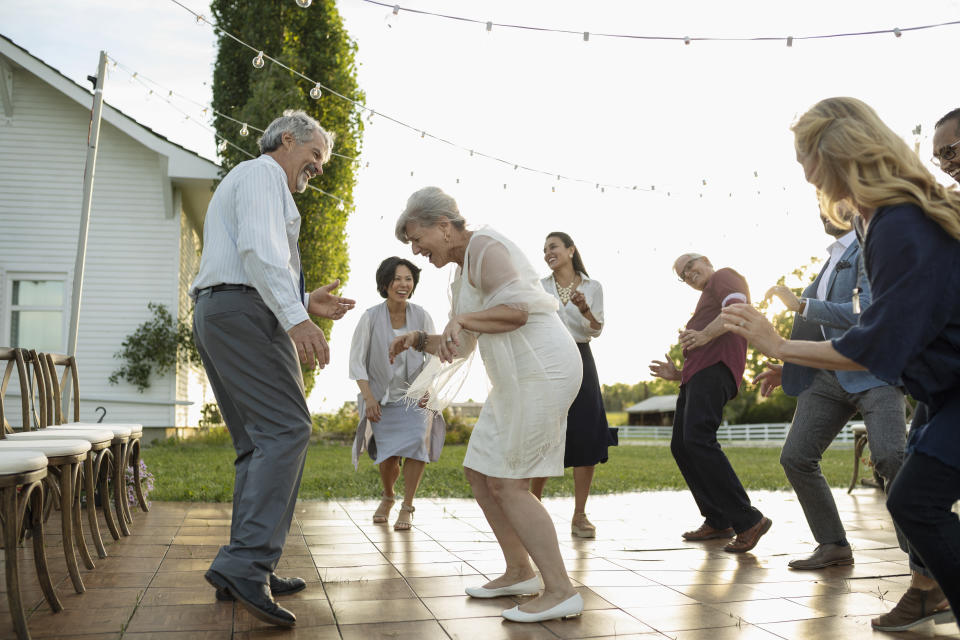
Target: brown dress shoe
{"x":825,"y":555}
{"x":706,"y":532}
{"x":748,"y":539}
{"x":915,"y":607}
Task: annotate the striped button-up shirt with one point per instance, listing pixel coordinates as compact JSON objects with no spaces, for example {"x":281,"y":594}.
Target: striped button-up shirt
{"x":250,"y":237}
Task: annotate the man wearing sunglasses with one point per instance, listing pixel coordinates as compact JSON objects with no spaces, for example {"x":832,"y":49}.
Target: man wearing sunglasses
{"x":946,"y":144}
{"x":714,"y":361}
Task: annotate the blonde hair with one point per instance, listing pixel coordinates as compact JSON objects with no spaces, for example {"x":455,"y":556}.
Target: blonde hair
{"x":855,"y":156}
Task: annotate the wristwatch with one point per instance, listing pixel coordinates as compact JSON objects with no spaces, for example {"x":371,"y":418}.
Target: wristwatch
{"x":803,"y":306}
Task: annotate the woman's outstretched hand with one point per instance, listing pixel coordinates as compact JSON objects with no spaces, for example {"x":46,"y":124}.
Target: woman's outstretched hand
{"x":744,"y":320}
{"x":401,"y":344}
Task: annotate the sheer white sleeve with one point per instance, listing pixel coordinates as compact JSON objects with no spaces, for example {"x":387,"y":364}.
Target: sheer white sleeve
{"x":360,"y":348}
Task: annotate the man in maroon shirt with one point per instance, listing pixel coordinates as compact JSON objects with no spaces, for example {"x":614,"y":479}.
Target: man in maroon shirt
{"x":714,"y":361}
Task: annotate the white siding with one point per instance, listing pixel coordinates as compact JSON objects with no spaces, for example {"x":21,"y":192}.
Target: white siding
{"x":133,"y":249}
{"x":191,"y":383}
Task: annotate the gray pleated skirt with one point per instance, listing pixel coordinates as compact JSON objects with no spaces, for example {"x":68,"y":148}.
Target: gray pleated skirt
{"x":402,"y":431}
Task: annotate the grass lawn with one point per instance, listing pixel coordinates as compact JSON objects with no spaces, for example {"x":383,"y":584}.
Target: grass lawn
{"x":202,"y":471}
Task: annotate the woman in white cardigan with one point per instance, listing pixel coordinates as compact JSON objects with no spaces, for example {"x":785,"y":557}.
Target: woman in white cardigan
{"x":391,"y":428}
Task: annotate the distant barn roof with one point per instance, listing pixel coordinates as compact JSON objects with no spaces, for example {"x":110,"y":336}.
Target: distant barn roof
{"x":655,"y":404}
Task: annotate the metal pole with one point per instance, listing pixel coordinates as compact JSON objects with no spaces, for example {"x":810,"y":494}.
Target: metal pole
{"x":93,"y":137}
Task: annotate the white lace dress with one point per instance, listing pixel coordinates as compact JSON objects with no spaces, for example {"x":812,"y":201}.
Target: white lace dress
{"x":534,"y":371}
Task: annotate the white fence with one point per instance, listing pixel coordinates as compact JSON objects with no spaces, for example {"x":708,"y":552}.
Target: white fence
{"x":771,"y":432}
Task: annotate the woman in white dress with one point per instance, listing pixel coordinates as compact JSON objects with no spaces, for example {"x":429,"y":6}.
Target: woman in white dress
{"x":535,"y":371}
{"x":588,"y":434}
{"x":391,"y":428}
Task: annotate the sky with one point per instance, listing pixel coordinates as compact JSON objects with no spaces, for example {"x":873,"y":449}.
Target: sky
{"x":706,"y":124}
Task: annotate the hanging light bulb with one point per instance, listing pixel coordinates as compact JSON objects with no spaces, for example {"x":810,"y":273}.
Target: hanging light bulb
{"x":392,"y":17}
{"x":340,"y":206}
{"x":258,"y":61}
{"x":200,"y":19}
{"x":303,"y":4}
{"x":222,"y":146}
{"x":244,"y":131}
{"x":315,"y":93}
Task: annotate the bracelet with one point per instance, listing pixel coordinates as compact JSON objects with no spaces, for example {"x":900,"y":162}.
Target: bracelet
{"x":421,"y":341}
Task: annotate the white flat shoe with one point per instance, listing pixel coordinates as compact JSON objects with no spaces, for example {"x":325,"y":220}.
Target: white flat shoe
{"x":527,"y":587}
{"x":569,"y":608}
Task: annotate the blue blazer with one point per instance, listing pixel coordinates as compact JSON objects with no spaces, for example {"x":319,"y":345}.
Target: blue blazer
{"x":834,"y":315}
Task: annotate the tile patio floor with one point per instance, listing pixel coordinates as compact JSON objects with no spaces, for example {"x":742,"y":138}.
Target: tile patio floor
{"x":638,"y":578}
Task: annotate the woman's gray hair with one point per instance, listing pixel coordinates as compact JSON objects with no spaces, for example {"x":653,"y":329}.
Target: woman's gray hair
{"x":301,"y":126}
{"x":427,"y":207}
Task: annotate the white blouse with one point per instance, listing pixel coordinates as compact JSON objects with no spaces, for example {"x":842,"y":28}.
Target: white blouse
{"x":397,"y":386}
{"x":575,"y":322}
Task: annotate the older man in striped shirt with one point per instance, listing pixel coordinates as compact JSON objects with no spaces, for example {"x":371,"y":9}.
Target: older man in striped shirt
{"x":251,"y":325}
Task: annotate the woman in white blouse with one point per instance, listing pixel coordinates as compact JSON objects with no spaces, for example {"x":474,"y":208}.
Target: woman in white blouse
{"x":588,"y":435}
{"x":390,"y":427}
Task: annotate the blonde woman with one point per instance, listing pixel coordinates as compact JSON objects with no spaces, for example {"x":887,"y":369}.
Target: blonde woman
{"x":911,"y":332}
{"x":534,"y":370}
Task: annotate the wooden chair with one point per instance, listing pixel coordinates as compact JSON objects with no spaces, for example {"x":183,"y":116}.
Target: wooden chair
{"x":64,"y":460}
{"x":32,"y":387}
{"x":21,"y":486}
{"x":130,"y":454}
{"x":859,"y":444}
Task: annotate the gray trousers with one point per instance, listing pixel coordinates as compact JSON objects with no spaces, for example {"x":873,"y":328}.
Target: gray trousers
{"x":822,"y":411}
{"x":253,"y":369}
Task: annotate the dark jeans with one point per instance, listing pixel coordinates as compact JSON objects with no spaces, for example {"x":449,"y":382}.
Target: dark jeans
{"x":714,"y":484}
{"x":920,"y":501}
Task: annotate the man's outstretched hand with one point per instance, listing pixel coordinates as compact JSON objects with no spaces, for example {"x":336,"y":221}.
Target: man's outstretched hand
{"x":325,"y":304}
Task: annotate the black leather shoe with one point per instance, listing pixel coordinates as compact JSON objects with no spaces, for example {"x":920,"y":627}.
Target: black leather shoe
{"x":255,"y":598}
{"x":278,"y":587}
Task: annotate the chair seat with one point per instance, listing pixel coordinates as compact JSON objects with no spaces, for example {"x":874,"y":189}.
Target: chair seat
{"x":12,"y":462}
{"x":49,"y":448}
{"x":133,"y":426}
{"x":122,"y":432}
{"x":93,"y":436}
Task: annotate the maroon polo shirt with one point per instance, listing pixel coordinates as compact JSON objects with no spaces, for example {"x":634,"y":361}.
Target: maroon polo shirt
{"x":725,"y":287}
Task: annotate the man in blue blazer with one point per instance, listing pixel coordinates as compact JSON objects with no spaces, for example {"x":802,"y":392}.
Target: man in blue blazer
{"x":826,"y":400}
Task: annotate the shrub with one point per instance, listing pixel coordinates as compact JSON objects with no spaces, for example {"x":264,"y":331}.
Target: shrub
{"x":459,"y":427}
{"x":340,"y":426}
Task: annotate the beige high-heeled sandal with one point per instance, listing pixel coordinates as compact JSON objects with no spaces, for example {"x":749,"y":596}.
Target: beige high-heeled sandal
{"x":407,"y":523}
{"x":383,"y":511}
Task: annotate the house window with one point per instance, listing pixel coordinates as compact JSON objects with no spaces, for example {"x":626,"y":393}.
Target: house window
{"x":37,"y":311}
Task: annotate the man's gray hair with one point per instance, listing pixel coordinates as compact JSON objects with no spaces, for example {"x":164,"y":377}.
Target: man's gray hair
{"x":301,"y":126}
{"x":427,"y":207}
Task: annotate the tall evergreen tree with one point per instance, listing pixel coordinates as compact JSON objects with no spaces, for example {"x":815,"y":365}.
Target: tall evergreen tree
{"x":314,"y":42}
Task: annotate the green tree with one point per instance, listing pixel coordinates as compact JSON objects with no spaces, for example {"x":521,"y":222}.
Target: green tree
{"x":314,"y":42}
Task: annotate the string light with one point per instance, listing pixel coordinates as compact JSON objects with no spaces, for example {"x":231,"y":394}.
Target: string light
{"x":304,"y":3}
{"x":200,"y":18}
{"x":222,"y":146}
{"x":371,"y":112}
{"x":315,"y":93}
{"x":392,"y":17}
{"x":258,"y":61}
{"x":685,"y":39}
{"x":244,"y":131}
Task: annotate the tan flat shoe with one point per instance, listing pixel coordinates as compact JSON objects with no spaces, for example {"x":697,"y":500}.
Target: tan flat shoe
{"x":581,"y":527}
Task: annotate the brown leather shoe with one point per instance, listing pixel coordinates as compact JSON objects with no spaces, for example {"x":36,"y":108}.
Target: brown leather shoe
{"x":706,"y":532}
{"x":915,"y":607}
{"x":825,"y":555}
{"x":748,"y":539}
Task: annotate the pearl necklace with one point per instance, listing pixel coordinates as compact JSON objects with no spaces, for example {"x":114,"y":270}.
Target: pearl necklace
{"x":565,"y":292}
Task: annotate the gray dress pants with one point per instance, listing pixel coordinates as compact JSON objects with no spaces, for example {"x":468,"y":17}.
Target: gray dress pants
{"x":253,"y":369}
{"x":822,"y":411}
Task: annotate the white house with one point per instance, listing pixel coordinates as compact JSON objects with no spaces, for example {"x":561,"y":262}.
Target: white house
{"x":149,"y":199}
